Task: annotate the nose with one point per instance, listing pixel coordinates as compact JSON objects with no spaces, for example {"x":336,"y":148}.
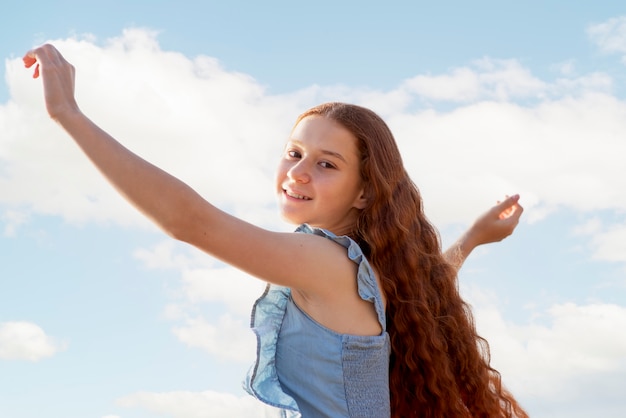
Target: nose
{"x":300,"y":172}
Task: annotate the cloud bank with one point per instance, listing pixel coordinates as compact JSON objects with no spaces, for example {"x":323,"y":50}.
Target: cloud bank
{"x":23,"y":340}
{"x":476,"y":133}
{"x":182,"y":404}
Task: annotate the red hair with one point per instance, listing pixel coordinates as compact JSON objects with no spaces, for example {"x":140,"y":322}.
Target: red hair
{"x":439,"y":366}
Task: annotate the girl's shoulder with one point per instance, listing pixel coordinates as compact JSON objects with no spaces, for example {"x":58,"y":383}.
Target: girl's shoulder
{"x":368,"y":286}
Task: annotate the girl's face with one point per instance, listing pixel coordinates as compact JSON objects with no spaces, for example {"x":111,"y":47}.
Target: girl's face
{"x":318,"y":180}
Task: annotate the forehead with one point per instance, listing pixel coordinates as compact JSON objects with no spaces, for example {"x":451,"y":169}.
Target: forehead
{"x":323,"y":132}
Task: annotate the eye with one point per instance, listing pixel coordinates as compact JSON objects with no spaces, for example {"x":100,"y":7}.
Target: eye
{"x":294,"y":154}
{"x":326,"y":164}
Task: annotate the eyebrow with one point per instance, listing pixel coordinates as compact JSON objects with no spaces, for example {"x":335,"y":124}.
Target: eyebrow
{"x":324,"y":151}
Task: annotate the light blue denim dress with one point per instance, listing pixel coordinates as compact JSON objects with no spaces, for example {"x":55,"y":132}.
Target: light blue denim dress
{"x":304,"y":369}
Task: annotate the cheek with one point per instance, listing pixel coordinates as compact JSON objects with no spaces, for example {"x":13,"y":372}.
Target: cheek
{"x":280,"y":173}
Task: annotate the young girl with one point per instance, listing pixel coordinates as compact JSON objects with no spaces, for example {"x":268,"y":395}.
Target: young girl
{"x":361,"y":316}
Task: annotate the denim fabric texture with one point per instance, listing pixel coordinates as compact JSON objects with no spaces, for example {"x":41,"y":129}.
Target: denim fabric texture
{"x":304,"y":369}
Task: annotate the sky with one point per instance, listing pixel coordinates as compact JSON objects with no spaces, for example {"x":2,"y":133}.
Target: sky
{"x":103,"y":316}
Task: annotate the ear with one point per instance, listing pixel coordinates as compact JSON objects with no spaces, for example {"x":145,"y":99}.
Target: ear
{"x":362,"y":200}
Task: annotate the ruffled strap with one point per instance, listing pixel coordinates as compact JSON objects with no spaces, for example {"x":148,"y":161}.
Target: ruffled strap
{"x":366,"y":279}
{"x":262,"y":379}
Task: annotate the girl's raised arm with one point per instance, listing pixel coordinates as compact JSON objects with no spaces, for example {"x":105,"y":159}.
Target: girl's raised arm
{"x":155,"y":193}
{"x":295,"y":260}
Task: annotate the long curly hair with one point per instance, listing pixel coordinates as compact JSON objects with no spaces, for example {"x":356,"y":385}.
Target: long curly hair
{"x":439,"y":365}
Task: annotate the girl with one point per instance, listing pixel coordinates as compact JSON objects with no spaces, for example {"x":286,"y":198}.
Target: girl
{"x":361,"y":316}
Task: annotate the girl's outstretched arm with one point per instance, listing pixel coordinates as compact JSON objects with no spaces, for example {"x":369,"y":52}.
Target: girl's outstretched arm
{"x":302,"y":261}
{"x":493,"y":226}
{"x":137,"y":180}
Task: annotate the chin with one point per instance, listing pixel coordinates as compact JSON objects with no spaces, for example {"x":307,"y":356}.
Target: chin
{"x":292,"y":220}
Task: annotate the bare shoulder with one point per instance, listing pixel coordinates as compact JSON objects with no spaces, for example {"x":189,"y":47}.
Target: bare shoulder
{"x":310,"y":263}
{"x":322,"y":277}
{"x":340,"y":307}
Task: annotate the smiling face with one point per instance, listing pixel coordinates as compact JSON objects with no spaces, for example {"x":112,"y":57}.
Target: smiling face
{"x":318,"y":179}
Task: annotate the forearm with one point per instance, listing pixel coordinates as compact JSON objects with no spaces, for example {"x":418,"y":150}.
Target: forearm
{"x":158,"y":195}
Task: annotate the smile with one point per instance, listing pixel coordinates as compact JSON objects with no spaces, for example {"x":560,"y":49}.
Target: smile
{"x":296,"y":196}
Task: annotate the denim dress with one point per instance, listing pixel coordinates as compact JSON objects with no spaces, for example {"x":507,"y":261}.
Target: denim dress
{"x":304,"y":369}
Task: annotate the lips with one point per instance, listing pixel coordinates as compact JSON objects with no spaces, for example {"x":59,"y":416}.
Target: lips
{"x":296,"y":195}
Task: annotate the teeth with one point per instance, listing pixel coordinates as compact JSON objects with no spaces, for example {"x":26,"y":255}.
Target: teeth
{"x":296,"y":196}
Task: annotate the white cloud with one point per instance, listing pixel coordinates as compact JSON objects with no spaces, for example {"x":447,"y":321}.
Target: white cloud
{"x":558,"y":354}
{"x":206,"y":285}
{"x":237,"y":290}
{"x":203,"y":279}
{"x":607,"y":240}
{"x":182,"y":404}
{"x":610,"y":244}
{"x":159,"y":104}
{"x":12,"y":221}
{"x":22,"y":340}
{"x":221,"y":132}
{"x":560,"y":153}
{"x":226,"y":338}
{"x":610,"y":35}
{"x":489,"y":80}
{"x":164,"y":255}
{"x":501,"y":81}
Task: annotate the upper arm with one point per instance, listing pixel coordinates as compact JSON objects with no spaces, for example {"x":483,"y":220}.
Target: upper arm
{"x":306,"y":262}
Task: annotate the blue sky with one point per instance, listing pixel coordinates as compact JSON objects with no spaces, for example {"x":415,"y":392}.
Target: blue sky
{"x":103,"y":316}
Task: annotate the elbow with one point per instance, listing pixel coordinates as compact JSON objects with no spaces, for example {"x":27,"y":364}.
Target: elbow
{"x":177,"y":230}
{"x":185,"y":226}
{"x":179,"y":218}
{"x":188,"y":220}
{"x":173,"y":232}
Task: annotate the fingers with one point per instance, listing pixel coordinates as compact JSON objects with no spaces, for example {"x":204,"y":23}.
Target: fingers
{"x":507,"y":207}
{"x":44,"y":54}
{"x":30,"y":59}
{"x":508,"y":214}
{"x":58,"y":79}
{"x":507,"y":203}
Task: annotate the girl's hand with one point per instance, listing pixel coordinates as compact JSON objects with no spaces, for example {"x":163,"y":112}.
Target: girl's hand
{"x":492,"y":226}
{"x":58,"y":79}
{"x":497,"y":223}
